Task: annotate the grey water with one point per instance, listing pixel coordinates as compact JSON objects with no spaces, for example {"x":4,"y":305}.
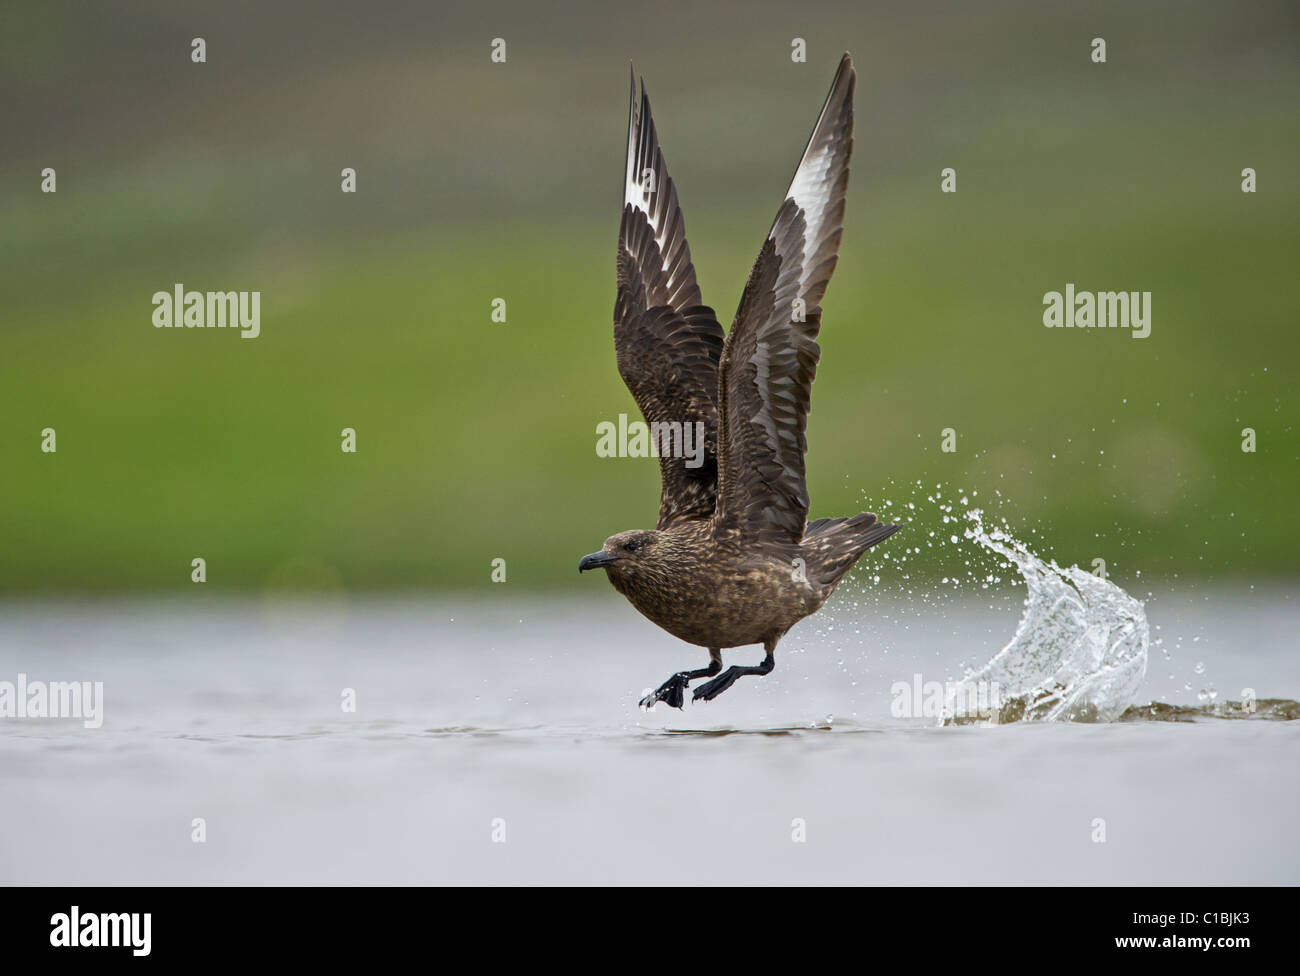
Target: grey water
{"x":496,"y":739}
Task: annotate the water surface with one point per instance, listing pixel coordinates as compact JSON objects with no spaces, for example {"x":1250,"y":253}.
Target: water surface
{"x":519,"y":719}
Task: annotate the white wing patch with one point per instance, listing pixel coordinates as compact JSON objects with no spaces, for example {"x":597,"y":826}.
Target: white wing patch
{"x":811,"y":193}
{"x":824,"y":159}
{"x":645,"y":182}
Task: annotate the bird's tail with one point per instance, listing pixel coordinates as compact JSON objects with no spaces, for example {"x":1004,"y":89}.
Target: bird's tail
{"x":832,"y":545}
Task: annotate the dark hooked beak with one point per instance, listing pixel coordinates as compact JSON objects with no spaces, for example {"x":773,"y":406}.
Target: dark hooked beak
{"x":596,"y":560}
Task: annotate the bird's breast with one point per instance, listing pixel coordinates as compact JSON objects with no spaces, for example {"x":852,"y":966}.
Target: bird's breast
{"x":724,"y":604}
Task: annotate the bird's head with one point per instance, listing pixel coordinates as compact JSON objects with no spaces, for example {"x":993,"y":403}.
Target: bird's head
{"x":626,"y":554}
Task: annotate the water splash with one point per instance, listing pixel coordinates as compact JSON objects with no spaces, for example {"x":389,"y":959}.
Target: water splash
{"x":1079,"y":653}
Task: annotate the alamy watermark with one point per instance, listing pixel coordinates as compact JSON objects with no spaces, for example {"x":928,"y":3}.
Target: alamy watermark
{"x":178,"y":308}
{"x":658,"y":439}
{"x":53,"y":699}
{"x":944,"y":699}
{"x":78,"y":929}
{"x":1098,"y":310}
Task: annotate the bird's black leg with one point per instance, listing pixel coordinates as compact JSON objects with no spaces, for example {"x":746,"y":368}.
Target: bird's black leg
{"x":671,"y":691}
{"x":712,"y":689}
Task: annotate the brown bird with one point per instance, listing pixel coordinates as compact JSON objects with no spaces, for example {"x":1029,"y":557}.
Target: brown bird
{"x":733,"y":559}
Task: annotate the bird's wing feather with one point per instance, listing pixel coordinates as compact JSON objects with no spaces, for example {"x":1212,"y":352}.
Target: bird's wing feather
{"x":771,"y":353}
{"x":667,"y":341}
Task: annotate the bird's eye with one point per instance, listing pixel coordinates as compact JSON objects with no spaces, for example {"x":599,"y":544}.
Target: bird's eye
{"x":632,"y":546}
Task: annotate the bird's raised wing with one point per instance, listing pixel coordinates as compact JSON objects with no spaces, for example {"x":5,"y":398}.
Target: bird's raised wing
{"x":771,"y":353}
{"x":668,"y":342}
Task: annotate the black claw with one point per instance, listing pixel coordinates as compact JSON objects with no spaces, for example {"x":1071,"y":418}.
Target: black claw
{"x":712,"y":689}
{"x":670,"y":692}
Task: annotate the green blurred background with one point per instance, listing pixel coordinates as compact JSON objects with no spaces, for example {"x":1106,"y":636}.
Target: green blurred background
{"x":479,"y":180}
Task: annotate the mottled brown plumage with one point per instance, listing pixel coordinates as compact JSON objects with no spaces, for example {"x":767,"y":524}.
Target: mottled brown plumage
{"x":733,"y":559}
